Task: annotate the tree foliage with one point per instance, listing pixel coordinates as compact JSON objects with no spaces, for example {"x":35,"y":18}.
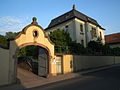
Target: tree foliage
{"x":60,"y":38}
{"x":64,"y":43}
{"x":3,"y":38}
{"x":29,"y":51}
{"x":3,"y":41}
{"x":95,"y":46}
{"x":10,"y":34}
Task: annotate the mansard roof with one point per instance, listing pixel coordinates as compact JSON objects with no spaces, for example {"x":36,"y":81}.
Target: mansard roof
{"x":71,"y":15}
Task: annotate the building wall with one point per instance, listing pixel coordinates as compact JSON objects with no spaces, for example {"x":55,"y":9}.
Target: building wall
{"x":4,"y":66}
{"x":102,"y":34}
{"x":75,"y":32}
{"x":70,"y":25}
{"x":98,"y":30}
{"x":87,"y":62}
{"x":67,"y":64}
{"x":80,"y":35}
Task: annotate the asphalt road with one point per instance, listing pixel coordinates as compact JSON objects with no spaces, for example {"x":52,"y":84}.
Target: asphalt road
{"x":108,"y":79}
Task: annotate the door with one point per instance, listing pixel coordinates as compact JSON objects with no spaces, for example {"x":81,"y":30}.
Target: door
{"x":58,"y":65}
{"x":43,"y":62}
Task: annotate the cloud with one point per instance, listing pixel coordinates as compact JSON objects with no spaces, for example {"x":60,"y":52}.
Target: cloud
{"x":10,"y":23}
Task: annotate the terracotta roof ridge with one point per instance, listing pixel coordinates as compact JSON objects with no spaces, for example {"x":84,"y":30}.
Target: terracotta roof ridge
{"x":112,"y":34}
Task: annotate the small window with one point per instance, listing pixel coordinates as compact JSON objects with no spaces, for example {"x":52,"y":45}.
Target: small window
{"x":100,"y":35}
{"x":82,"y":42}
{"x":95,"y":30}
{"x":92,"y":28}
{"x":66,"y":28}
{"x":35,"y":33}
{"x":81,"y":27}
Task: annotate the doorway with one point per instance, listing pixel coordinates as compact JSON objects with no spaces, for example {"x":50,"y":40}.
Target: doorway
{"x":32,"y":63}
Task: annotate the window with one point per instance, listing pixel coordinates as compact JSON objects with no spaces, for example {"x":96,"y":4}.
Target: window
{"x":95,"y":31}
{"x":100,"y":35}
{"x":81,"y":28}
{"x":35,"y":33}
{"x":82,"y":42}
{"x":66,"y":28}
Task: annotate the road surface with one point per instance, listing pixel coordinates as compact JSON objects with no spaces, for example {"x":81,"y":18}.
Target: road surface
{"x":108,"y":79}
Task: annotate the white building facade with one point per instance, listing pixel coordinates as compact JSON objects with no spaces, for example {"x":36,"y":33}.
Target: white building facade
{"x":81,"y":28}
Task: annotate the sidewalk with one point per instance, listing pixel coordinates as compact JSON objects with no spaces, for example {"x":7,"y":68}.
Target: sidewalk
{"x":43,"y":81}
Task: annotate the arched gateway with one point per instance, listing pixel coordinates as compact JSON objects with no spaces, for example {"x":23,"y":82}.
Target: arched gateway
{"x":33,"y":34}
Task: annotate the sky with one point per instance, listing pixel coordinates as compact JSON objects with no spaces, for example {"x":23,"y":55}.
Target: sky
{"x":16,"y":14}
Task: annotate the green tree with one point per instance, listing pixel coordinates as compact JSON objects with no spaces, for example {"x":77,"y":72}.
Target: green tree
{"x":29,"y":51}
{"x":3,"y":41}
{"x":64,"y":43}
{"x":22,"y":52}
{"x":95,"y":46}
{"x":11,"y":34}
{"x":106,"y":50}
{"x":77,"y":48}
{"x":61,"y":39}
{"x":116,"y":51}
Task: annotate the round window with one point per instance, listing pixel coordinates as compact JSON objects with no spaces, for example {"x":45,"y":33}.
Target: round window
{"x":35,"y":33}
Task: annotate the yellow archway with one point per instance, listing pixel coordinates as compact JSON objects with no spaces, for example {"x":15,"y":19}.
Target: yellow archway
{"x":33,"y":34}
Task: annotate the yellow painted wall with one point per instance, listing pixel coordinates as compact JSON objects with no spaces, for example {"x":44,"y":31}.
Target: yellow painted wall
{"x":41,"y":39}
{"x":67,"y":63}
{"x":4,"y":66}
{"x":87,"y":62}
{"x":27,"y":37}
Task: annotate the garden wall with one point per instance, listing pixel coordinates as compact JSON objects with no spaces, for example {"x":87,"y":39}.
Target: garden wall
{"x":4,"y":66}
{"x":76,"y":62}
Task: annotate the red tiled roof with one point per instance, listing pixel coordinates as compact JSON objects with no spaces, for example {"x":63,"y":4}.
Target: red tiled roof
{"x":112,"y":38}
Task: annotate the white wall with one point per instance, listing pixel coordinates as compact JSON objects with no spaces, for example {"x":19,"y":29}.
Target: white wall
{"x":4,"y":66}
